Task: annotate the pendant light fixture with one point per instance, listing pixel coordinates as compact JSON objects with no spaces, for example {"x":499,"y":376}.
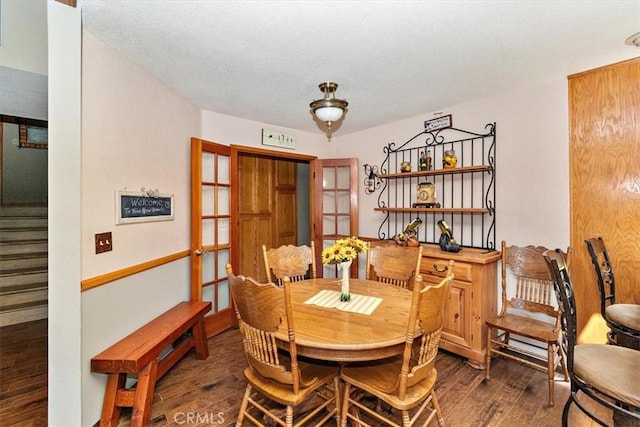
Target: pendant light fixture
{"x":328,"y":109}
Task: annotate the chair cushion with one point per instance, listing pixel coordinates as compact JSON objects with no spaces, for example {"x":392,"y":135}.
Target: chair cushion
{"x":610,"y":369}
{"x":525,"y":326}
{"x":378,"y":376}
{"x":626,"y":315}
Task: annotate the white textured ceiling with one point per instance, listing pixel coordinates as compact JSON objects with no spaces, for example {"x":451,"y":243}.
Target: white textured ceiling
{"x":263,"y":60}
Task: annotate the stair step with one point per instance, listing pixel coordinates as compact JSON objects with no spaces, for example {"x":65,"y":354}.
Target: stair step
{"x":14,"y":222}
{"x":21,"y":313}
{"x":24,"y":234}
{"x":23,"y":211}
{"x":23,"y":247}
{"x":11,"y":264}
{"x":23,"y":278}
{"x":18,"y":299}
{"x":23,"y":287}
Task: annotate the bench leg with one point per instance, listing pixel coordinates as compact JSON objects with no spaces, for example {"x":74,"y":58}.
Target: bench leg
{"x":144,"y":395}
{"x":200,"y":340}
{"x":110,"y":411}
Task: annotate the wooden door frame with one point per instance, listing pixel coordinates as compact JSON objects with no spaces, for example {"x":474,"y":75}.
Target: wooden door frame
{"x":238,"y":150}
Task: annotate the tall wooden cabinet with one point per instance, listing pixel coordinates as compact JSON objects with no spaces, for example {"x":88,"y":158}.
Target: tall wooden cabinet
{"x":604,"y":165}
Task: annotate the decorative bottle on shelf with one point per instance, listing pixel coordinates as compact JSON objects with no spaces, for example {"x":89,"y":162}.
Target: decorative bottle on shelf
{"x":425,"y":162}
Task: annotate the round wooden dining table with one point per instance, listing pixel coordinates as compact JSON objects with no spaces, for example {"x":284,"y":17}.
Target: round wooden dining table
{"x":336,"y":335}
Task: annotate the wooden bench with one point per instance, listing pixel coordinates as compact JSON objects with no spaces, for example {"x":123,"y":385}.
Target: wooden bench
{"x":140,"y":352}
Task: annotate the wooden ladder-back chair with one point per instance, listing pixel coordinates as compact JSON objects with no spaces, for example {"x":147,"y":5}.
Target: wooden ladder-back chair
{"x":280,"y":377}
{"x":290,"y":261}
{"x":622,"y":319}
{"x":605,"y":373}
{"x":516,"y":323}
{"x":393,"y":264}
{"x":406,"y":382}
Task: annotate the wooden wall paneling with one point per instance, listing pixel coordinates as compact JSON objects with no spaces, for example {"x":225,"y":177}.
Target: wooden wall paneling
{"x":604,"y":153}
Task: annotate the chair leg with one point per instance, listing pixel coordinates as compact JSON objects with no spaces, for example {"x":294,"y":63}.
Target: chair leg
{"x":565,"y":411}
{"x":406,"y":420}
{"x":436,"y":406}
{"x":243,"y":406}
{"x":288,"y":421}
{"x":551,"y":368}
{"x":487,"y":374}
{"x":562,"y":362}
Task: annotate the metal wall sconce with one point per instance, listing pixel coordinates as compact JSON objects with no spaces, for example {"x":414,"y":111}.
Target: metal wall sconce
{"x":371,"y":181}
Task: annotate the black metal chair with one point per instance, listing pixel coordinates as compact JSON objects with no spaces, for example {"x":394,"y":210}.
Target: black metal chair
{"x":622,"y":319}
{"x":607,"y":374}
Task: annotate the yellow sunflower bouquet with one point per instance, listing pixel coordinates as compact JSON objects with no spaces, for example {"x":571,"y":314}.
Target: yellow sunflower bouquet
{"x":343,"y":250}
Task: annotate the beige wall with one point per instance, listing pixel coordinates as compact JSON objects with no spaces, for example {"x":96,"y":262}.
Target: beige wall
{"x":24,"y":35}
{"x":532,"y":202}
{"x":135,"y":133}
{"x":229,"y":130}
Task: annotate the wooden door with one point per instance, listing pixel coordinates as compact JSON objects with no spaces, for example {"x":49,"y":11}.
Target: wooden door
{"x":266,"y":204}
{"x":255,"y":213}
{"x":211,"y":242}
{"x":604,"y":153}
{"x":336,"y":211}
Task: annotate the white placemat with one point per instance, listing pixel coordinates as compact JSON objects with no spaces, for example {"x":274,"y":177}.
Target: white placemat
{"x":361,"y":304}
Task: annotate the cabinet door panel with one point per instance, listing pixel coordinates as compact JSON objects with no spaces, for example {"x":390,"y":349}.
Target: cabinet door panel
{"x":456,"y":327}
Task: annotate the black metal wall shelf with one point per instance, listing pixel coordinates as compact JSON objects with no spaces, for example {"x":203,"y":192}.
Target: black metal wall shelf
{"x":465,"y":193}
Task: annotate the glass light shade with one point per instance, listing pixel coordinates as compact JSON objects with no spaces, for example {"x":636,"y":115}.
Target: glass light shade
{"x":329,"y":114}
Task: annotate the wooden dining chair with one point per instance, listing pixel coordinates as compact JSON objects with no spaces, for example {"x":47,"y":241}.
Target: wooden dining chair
{"x":278,"y":375}
{"x":295,"y":262}
{"x":515,"y":333}
{"x":605,"y":373}
{"x":393,"y":264}
{"x":622,"y":319}
{"x":406,"y":383}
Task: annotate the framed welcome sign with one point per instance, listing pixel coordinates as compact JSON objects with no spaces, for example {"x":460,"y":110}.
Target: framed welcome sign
{"x":133,"y":207}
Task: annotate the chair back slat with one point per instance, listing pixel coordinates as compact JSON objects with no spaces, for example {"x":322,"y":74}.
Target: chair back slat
{"x":294,"y":262}
{"x":394,"y":265}
{"x":604,"y":272}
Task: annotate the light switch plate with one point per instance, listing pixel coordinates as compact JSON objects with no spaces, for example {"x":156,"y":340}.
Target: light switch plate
{"x":278,"y":139}
{"x":103,"y":242}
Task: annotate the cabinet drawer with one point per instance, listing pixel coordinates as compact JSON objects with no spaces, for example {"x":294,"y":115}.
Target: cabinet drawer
{"x":438,"y":267}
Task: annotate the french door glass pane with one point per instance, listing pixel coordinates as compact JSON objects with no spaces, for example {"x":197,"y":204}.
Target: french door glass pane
{"x":224,"y":200}
{"x":207,"y":200}
{"x":208,"y":232}
{"x":223,"y":170}
{"x":208,"y":167}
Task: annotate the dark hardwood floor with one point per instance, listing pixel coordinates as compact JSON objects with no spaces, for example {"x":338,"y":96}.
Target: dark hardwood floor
{"x":209,"y":392}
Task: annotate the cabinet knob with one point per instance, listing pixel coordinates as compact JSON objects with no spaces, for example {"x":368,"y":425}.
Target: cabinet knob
{"x":445,"y":268}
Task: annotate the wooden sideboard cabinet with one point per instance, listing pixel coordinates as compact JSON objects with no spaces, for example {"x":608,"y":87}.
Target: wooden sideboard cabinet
{"x":473,"y":298}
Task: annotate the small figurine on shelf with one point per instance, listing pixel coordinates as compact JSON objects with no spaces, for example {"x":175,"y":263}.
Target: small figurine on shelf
{"x":425,"y":160}
{"x":405,"y":167}
{"x":450,"y":160}
{"x":409,"y":236}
